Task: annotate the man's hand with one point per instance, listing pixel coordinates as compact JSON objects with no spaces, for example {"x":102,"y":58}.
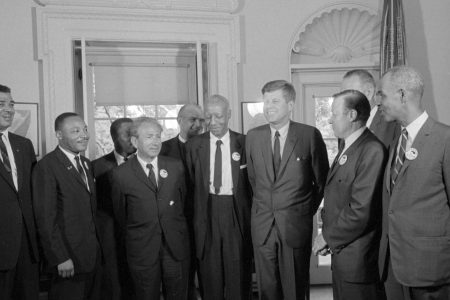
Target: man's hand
{"x":66,"y":269}
{"x":320,"y":246}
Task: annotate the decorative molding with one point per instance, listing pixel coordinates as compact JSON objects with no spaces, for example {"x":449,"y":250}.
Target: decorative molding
{"x":340,"y":35}
{"x":228,"y":6}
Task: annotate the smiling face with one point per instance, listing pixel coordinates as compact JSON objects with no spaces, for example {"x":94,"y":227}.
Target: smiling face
{"x":148,"y":141}
{"x":6,"y":110}
{"x":276,"y":109}
{"x":191,"y":122}
{"x":73,"y":135}
{"x":390,"y":99}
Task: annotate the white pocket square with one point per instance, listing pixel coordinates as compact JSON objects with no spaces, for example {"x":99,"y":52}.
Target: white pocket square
{"x":242,"y":167}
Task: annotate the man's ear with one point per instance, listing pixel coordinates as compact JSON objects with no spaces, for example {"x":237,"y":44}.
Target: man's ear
{"x":134,"y":141}
{"x":353,"y":115}
{"x":58,"y":134}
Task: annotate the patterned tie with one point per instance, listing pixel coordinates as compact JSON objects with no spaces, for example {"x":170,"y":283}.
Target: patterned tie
{"x":151,"y":174}
{"x":4,"y":153}
{"x":276,"y":154}
{"x":218,"y":167}
{"x":81,"y":169}
{"x":400,"y":158}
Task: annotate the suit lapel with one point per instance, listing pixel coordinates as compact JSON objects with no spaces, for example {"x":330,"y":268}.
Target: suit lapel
{"x":140,"y":173}
{"x":203,"y":157}
{"x":89,"y":175}
{"x":69,"y":166}
{"x":291,"y":140}
{"x":5,"y":174}
{"x":235,"y":147}
{"x":161,"y":166}
{"x":392,"y":152}
{"x":266,"y":146}
{"x":18,"y":160}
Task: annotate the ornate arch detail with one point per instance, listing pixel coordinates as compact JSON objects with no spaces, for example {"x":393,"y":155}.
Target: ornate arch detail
{"x":339,"y":35}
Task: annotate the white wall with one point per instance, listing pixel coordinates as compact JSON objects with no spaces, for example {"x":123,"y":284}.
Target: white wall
{"x":267,"y":29}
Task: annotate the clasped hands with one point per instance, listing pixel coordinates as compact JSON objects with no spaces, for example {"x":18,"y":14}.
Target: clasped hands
{"x":320,"y":246}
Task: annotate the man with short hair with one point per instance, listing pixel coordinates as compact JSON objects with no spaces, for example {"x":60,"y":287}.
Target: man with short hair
{"x":191,"y":120}
{"x":352,"y":202}
{"x":222,"y":199}
{"x":287,"y":168}
{"x":19,"y":273}
{"x":415,"y":242}
{"x":64,"y":201}
{"x":148,"y":197}
{"x":115,"y":270}
{"x":361,"y":80}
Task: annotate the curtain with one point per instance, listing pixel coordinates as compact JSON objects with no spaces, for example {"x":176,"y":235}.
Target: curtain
{"x":393,"y":38}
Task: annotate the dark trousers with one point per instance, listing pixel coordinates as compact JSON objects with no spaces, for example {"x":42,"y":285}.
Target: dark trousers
{"x":173,"y":274}
{"x":282,"y":272}
{"x":22,"y":281}
{"x":226,"y":265}
{"x":397,"y":291}
{"x":84,"y":286}
{"x":344,"y":290}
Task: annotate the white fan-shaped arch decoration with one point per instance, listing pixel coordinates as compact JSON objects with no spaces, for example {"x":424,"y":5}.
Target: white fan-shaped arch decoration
{"x":340,"y":35}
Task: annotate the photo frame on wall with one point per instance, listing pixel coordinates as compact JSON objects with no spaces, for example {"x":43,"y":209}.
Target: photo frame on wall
{"x":26,"y":122}
{"x":252,"y":115}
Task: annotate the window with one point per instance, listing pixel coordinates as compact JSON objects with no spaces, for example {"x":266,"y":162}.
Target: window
{"x":105,"y":114}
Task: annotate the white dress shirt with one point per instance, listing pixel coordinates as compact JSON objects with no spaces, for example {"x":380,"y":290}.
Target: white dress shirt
{"x":227,"y":181}
{"x":352,"y":138}
{"x":413,"y":129}
{"x":283,"y":131}
{"x":154,"y":163}
{"x":373,"y":111}
{"x":12,"y":162}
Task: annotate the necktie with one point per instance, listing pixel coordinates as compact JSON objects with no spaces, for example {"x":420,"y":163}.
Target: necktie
{"x":80,"y":169}
{"x":4,"y":153}
{"x":341,"y":146}
{"x":276,"y":153}
{"x":151,"y":174}
{"x":400,"y":158}
{"x":218,"y":168}
{"x":125,"y":158}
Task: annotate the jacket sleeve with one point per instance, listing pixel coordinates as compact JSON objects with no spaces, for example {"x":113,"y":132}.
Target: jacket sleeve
{"x":320,"y":167}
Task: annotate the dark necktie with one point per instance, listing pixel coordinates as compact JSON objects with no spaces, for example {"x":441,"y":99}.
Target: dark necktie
{"x":151,"y":174}
{"x":4,"y":153}
{"x":276,"y":153}
{"x":80,"y":169}
{"x":341,"y":146}
{"x":125,"y":158}
{"x":218,"y":168}
{"x":400,"y":158}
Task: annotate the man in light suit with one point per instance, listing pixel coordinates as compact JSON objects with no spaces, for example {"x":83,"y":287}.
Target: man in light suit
{"x":115,"y":283}
{"x":65,"y":207}
{"x":415,"y":243}
{"x":19,"y":275}
{"x":222,"y":199}
{"x":352,"y":210}
{"x":191,"y":120}
{"x":362,"y":80}
{"x":287,"y":168}
{"x":148,"y":198}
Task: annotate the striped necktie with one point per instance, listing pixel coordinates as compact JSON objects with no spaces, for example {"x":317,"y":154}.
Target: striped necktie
{"x":4,"y":154}
{"x":400,"y":158}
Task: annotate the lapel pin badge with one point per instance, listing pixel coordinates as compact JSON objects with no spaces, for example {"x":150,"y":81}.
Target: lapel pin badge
{"x":343,"y":159}
{"x":298,"y":158}
{"x":411,"y":154}
{"x":236,"y":156}
{"x":69,"y":168}
{"x":163,"y":173}
{"x":171,"y":203}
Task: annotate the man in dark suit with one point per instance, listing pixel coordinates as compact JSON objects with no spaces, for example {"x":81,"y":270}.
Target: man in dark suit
{"x":191,"y":120}
{"x":148,"y":197}
{"x":19,"y":275}
{"x":362,"y":80}
{"x":65,"y":206}
{"x":415,"y":243}
{"x":115,"y":273}
{"x":287,"y":167}
{"x":352,"y":202}
{"x":222,"y":201}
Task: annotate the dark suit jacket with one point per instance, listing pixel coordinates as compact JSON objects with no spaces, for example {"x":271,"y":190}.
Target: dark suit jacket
{"x":294,"y":197}
{"x":65,"y":212}
{"x":16,"y":210}
{"x":198,"y":153}
{"x":352,"y":210}
{"x":102,"y":172}
{"x":416,"y":213}
{"x":145,"y":212}
{"x":173,"y":148}
{"x":384,"y":131}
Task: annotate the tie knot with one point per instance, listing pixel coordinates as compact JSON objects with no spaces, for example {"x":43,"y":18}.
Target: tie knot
{"x":277,"y":134}
{"x":405,"y":132}
{"x":125,"y":158}
{"x":1,"y":134}
{"x":218,"y":143}
{"x":77,"y":158}
{"x":341,"y":145}
{"x":149,"y":166}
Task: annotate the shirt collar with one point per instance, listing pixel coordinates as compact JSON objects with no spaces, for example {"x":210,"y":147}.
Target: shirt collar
{"x":414,"y":127}
{"x":143,"y":163}
{"x":282,"y":131}
{"x":225,"y":139}
{"x":354,"y":136}
{"x":69,"y":154}
{"x":6,"y":134}
{"x":180,"y":138}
